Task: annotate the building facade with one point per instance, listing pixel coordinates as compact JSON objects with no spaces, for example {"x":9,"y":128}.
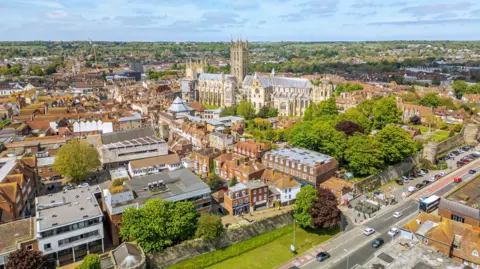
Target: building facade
{"x":236,"y":199}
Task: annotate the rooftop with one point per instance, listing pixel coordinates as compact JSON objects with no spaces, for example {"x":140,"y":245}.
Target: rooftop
{"x":238,"y":187}
{"x":46,"y":161}
{"x":467,"y":194}
{"x":63,"y":208}
{"x":304,"y":156}
{"x":154,"y":161}
{"x":15,"y":232}
{"x":6,"y":166}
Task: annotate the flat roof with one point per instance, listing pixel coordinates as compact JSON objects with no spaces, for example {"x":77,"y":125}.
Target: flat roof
{"x":67,"y":207}
{"x":45,"y":161}
{"x":300,"y":155}
{"x":467,"y":194}
{"x":175,"y":186}
{"x":6,"y":166}
{"x":15,"y":232}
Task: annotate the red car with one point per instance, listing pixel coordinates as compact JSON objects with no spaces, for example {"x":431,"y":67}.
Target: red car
{"x":457,"y":180}
{"x":465,"y":160}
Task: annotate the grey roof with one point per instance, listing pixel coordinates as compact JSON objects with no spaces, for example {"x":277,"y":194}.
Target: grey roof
{"x":238,"y":187}
{"x":426,"y":227}
{"x":116,"y":137}
{"x":179,"y":185}
{"x":46,"y":161}
{"x":178,"y":106}
{"x":209,"y":76}
{"x":128,"y":255}
{"x":63,"y":208}
{"x":300,"y":155}
{"x":273,"y":81}
{"x":460,"y":209}
{"x":135,"y":116}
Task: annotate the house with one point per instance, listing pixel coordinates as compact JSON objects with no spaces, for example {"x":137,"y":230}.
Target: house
{"x":304,"y":165}
{"x":220,"y":141}
{"x":177,"y":185}
{"x":227,"y":163}
{"x":453,"y":239}
{"x":19,"y":234}
{"x":288,"y":189}
{"x":69,"y":224}
{"x":236,"y":200}
{"x":249,"y":171}
{"x":339,"y":187}
{"x":251,"y":149}
{"x":203,"y":160}
{"x":258,"y":194}
{"x":45,"y":167}
{"x":153,"y":165}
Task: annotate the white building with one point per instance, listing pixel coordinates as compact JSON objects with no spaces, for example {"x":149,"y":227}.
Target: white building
{"x":288,"y":189}
{"x":69,"y":224}
{"x":154,"y":165}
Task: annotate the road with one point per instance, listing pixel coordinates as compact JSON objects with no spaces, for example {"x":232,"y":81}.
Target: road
{"x":355,"y":248}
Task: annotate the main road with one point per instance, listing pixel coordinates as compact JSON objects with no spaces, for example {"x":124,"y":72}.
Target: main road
{"x":353,"y":247}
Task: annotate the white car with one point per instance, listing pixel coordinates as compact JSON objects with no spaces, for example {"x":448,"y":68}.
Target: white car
{"x":442,"y":174}
{"x":368,"y":231}
{"x":84,"y":185}
{"x":411,"y":189}
{"x":393,"y":231}
{"x":397,"y":214}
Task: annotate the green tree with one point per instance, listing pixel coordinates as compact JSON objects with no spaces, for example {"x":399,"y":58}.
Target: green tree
{"x":364,"y":155}
{"x":233,"y":182}
{"x":88,"y":64}
{"x":91,"y":261}
{"x":431,"y":100}
{"x":354,"y":115}
{"x":246,"y":110}
{"x":366,"y":107}
{"x":229,"y":111}
{"x":209,"y":226}
{"x":327,"y":108}
{"x":119,"y":181}
{"x":396,"y":144}
{"x":214,"y":181}
{"x":263,"y":112}
{"x":459,"y":88}
{"x":303,"y":205}
{"x":310,"y":112}
{"x":272,"y":112}
{"x":159,"y":224}
{"x":37,"y":71}
{"x":386,"y":112}
{"x":75,"y":160}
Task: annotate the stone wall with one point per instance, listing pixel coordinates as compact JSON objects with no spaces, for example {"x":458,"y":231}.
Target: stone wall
{"x":387,"y":175}
{"x":451,"y":143}
{"x":193,"y":248}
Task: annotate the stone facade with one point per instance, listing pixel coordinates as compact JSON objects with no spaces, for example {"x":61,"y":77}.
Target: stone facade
{"x":217,"y":89}
{"x":470,"y":133}
{"x":239,"y":59}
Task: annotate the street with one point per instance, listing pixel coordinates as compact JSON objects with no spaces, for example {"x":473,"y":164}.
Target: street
{"x":354,"y":247}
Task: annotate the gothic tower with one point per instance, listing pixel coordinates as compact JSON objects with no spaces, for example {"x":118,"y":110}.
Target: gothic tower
{"x":239,"y":59}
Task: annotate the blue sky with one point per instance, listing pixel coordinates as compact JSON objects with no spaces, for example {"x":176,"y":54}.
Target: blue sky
{"x":259,"y":20}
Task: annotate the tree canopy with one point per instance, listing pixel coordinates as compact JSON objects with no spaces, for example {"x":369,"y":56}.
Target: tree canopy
{"x":364,"y":155}
{"x":385,"y":112}
{"x":29,"y":259}
{"x":348,"y":128}
{"x":209,"y":226}
{"x":396,"y":144}
{"x":159,"y":224}
{"x":246,"y":110}
{"x":459,"y":88}
{"x":430,"y":99}
{"x":324,"y":109}
{"x":325,"y":213}
{"x":91,"y":261}
{"x":75,"y":160}
{"x":303,"y":205}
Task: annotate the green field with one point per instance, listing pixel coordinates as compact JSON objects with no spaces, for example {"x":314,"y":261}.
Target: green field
{"x":267,"y":250}
{"x":439,"y":136}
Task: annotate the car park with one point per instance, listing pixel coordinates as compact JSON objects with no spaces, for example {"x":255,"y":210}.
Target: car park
{"x":473,"y":171}
{"x":378,"y":242}
{"x":368,"y":231}
{"x":397,"y":214}
{"x":393,"y":231}
{"x":322,"y":256}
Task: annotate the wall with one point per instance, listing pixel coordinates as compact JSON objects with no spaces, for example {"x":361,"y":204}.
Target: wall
{"x":451,"y":143}
{"x":387,"y":175}
{"x":190,"y":249}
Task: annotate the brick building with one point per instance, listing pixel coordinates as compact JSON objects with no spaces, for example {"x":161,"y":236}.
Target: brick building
{"x":337,"y":186}
{"x":258,"y":194}
{"x":236,"y":199}
{"x":203,"y":160}
{"x":251,"y":149}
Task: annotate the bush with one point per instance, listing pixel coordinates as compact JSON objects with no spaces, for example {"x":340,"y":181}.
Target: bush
{"x":119,"y":181}
{"x":458,"y":127}
{"x":209,"y":226}
{"x":92,"y":261}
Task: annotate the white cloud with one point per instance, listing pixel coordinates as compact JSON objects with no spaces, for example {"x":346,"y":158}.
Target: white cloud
{"x":56,"y":14}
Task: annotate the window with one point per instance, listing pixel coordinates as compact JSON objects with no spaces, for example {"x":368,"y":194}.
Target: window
{"x":260,"y":190}
{"x":234,"y":203}
{"x":311,"y":171}
{"x":254,"y":199}
{"x":457,"y":218}
{"x":425,"y":241}
{"x":289,"y":189}
{"x":475,"y":253}
{"x":465,"y":262}
{"x":474,"y":265}
{"x":29,"y":247}
{"x":289,"y":196}
{"x":255,"y":192}
{"x":47,"y":246}
{"x":264,"y":197}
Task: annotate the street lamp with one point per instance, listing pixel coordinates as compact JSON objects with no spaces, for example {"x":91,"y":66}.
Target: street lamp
{"x":347,"y":256}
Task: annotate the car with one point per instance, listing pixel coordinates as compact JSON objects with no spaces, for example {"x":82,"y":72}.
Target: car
{"x":55,"y":178}
{"x":393,"y":231}
{"x":405,"y":178}
{"x":457,"y":180}
{"x":419,"y":186}
{"x":399,"y":182}
{"x":425,"y":171}
{"x":411,"y":189}
{"x":68,"y":187}
{"x":84,"y":185}
{"x":322,"y":256}
{"x":294,"y":267}
{"x":465,"y":160}
{"x":473,"y":171}
{"x":426,"y":182}
{"x":442,"y":174}
{"x":368,"y":231}
{"x":378,"y":243}
{"x":437,"y":176}
{"x":221,"y":211}
{"x":432,"y":179}
{"x":397,"y":214}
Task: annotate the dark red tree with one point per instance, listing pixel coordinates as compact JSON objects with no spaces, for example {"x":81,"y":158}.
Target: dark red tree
{"x":348,"y":127}
{"x":29,"y":259}
{"x":324,"y":211}
{"x":415,"y":120}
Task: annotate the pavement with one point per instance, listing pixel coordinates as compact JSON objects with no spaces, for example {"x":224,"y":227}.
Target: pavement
{"x":352,"y":248}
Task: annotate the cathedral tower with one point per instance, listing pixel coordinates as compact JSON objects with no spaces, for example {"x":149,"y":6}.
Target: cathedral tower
{"x":239,"y":59}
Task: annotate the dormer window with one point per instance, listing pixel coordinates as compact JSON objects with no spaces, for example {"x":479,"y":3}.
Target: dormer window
{"x":475,"y":253}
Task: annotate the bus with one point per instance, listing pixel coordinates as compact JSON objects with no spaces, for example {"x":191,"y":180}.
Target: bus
{"x":430,"y":203}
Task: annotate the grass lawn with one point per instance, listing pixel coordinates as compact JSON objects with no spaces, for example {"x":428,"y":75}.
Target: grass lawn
{"x":439,"y":136}
{"x":267,"y":250}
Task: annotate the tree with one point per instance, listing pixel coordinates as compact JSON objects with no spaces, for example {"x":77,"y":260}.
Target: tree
{"x":214,"y":181}
{"x":348,"y":127}
{"x":459,"y":88}
{"x":354,"y":115}
{"x":29,"y":259}
{"x":325,"y":213}
{"x":430,"y":99}
{"x":37,"y":71}
{"x":50,"y":70}
{"x":386,"y":112}
{"x":233,"y":182}
{"x":396,"y":144}
{"x":229,"y":111}
{"x":364,"y":155}
{"x":159,"y":224}
{"x":209,"y":226}
{"x":263,"y":112}
{"x":327,"y":108}
{"x":246,"y":110}
{"x":366,"y":107}
{"x":119,"y":181}
{"x":88,"y":64}
{"x":272,"y":112}
{"x":91,"y":261}
{"x":76,"y":160}
{"x":303,"y":205}
{"x":415,"y":120}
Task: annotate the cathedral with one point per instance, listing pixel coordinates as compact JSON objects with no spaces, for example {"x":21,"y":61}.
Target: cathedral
{"x":291,"y":96}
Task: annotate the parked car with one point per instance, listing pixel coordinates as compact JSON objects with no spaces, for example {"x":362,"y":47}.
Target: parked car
{"x":397,"y":214}
{"x":457,"y":180}
{"x":322,"y":256}
{"x":393,"y":231}
{"x":405,"y":180}
{"x":419,"y":186}
{"x":442,"y":174}
{"x":68,"y":187}
{"x":425,"y":171}
{"x":84,"y":185}
{"x":55,"y":178}
{"x":368,"y":231}
{"x":426,"y":182}
{"x":378,"y":243}
{"x":411,"y":189}
{"x":473,"y":171}
{"x":399,"y":182}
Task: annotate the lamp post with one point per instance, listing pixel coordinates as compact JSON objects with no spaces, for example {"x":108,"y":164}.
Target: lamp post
{"x":347,"y":256}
